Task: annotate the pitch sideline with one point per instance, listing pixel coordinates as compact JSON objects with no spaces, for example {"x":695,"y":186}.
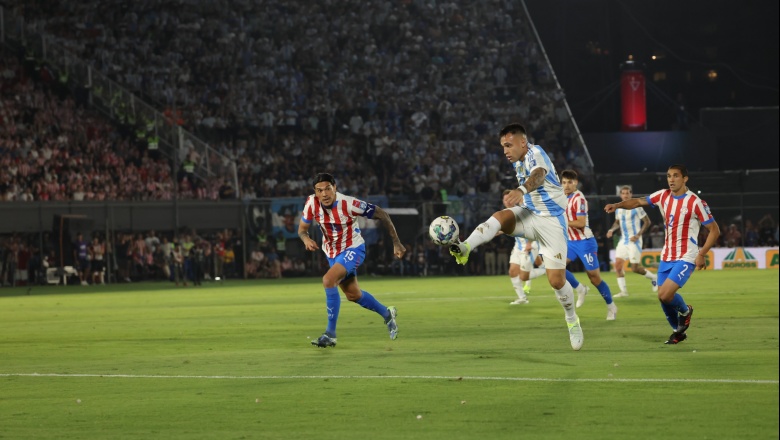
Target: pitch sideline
{"x":474,"y":378}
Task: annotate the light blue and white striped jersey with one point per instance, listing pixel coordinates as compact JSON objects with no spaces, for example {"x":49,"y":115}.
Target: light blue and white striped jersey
{"x":630,"y":222}
{"x":548,"y":200}
{"x":520,"y":243}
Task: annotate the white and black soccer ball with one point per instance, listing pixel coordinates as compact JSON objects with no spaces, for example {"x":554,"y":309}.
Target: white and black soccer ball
{"x":444,"y":231}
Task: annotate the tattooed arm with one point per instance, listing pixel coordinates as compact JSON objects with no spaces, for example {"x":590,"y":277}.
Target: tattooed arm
{"x":533,"y":182}
{"x":398,"y":248}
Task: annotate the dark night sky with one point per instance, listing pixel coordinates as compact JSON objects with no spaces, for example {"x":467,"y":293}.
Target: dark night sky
{"x":587,"y":40}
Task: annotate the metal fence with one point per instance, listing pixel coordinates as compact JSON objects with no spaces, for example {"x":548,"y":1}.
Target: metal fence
{"x":275,"y":220}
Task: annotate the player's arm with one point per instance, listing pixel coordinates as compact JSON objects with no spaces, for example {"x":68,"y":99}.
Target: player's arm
{"x":645,"y":226}
{"x":534,"y":181}
{"x":615,"y":227}
{"x":580,"y":222}
{"x":626,"y":204}
{"x":712,"y":238}
{"x":303,"y":232}
{"x":398,"y":248}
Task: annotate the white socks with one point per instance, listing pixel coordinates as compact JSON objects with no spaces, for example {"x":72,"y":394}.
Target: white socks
{"x":517,"y":283}
{"x":650,"y":276}
{"x":484,"y":232}
{"x":566,"y":298}
{"x":622,"y":283}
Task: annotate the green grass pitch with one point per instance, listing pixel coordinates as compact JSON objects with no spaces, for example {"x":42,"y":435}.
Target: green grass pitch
{"x":234,"y":361}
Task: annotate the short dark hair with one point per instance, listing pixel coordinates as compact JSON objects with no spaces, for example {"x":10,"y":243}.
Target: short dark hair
{"x":512,"y":128}
{"x":569,"y":174}
{"x":324,"y":177}
{"x":681,"y":167}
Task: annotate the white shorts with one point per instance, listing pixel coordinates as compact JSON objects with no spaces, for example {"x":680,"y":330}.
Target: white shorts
{"x":522,"y":259}
{"x":631,"y":252}
{"x":549,"y":232}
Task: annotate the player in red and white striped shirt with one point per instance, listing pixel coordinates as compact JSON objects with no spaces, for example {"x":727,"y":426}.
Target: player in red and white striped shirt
{"x":683,"y":212}
{"x":345,"y":248}
{"x":582,"y":244}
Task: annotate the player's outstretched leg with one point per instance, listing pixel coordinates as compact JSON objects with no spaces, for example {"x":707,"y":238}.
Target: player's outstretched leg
{"x":481,"y":235}
{"x":461,"y":252}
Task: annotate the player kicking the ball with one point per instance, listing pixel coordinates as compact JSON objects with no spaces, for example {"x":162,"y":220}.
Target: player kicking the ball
{"x":537,"y":213}
{"x":683,"y":213}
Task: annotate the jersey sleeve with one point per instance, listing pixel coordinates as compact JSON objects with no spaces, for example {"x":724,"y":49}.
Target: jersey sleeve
{"x":536,"y":158}
{"x":582,"y":206}
{"x":361,"y":208}
{"x":308,"y":210}
{"x":655,"y":198}
{"x":641,"y":213}
{"x":703,"y":212}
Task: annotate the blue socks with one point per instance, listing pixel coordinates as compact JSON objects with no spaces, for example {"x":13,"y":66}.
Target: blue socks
{"x":333,"y":303}
{"x":671,"y":314}
{"x":603,"y":288}
{"x":604,"y":291}
{"x":573,"y":281}
{"x":367,"y":301}
{"x":677,"y":305}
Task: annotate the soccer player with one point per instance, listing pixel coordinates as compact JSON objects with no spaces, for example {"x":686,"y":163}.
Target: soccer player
{"x":81,"y":258}
{"x":541,"y":218}
{"x":345,"y":248}
{"x":582,"y":243}
{"x":632,"y":224}
{"x":683,"y":212}
{"x":521,"y":266}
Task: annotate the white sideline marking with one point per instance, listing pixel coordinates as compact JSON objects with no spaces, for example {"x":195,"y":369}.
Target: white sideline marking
{"x":476,"y":378}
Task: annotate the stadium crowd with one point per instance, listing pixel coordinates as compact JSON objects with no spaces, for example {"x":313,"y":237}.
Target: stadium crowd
{"x":397,"y":98}
{"x":412,"y":90}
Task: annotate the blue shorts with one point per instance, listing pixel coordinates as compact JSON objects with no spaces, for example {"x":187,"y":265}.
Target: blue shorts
{"x":586,"y":250}
{"x":677,"y":271}
{"x":351,"y":259}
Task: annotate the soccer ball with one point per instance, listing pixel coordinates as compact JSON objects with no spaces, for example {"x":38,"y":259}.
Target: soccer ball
{"x":444,"y":231}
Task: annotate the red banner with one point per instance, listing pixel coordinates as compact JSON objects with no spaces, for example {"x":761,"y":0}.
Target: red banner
{"x":633,"y":105}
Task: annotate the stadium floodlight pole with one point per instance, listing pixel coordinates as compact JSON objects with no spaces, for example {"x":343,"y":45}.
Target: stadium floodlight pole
{"x":558,"y":84}
{"x":176,"y":151}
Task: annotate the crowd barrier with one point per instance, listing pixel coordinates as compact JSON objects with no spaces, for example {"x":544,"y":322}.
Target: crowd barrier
{"x":738,"y":258}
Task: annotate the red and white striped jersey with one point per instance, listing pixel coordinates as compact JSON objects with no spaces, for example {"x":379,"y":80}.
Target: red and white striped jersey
{"x":338,"y":222}
{"x":577,"y":207}
{"x":683,"y":215}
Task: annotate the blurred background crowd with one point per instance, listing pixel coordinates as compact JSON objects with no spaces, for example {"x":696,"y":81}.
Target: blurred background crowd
{"x":400,"y":99}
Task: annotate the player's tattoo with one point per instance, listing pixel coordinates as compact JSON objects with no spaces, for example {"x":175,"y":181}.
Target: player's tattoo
{"x":536,"y":179}
{"x":384,"y":218}
{"x":304,"y":235}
